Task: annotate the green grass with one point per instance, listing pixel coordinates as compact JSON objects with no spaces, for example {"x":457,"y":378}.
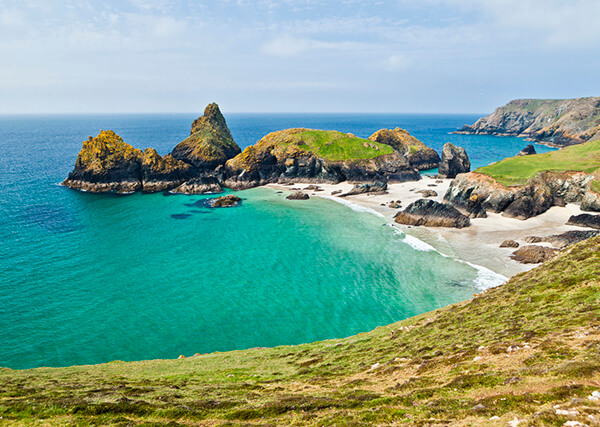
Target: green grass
{"x":338,"y":146}
{"x":517,"y":170}
{"x":449,"y":366}
{"x":595,"y":186}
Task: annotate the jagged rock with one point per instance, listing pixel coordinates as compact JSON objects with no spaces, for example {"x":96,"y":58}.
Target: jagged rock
{"x":427,"y":193}
{"x":559,"y":122}
{"x":298,"y":195}
{"x":585,"y":220}
{"x":107,"y":164}
{"x":509,"y":244}
{"x":210,"y":143}
{"x":430,"y":213}
{"x":570,"y":238}
{"x":314,"y":156}
{"x":419,"y":155}
{"x":367,"y":187}
{"x":527,"y":151}
{"x":227,"y":201}
{"x":204,"y":184}
{"x":590,"y":201}
{"x":532,"y":254}
{"x":454,"y":161}
{"x":162,"y":173}
{"x":533,"y":239}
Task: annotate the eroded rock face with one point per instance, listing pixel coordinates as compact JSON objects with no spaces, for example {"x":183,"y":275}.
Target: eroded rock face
{"x":454,"y":161}
{"x":227,"y":201}
{"x":162,"y":173}
{"x":430,"y":213}
{"x":210,"y":143}
{"x":419,"y":156}
{"x":539,"y":194}
{"x":533,"y":254}
{"x":205,"y":184}
{"x":556,"y":122}
{"x":585,"y":220}
{"x":367,"y":187}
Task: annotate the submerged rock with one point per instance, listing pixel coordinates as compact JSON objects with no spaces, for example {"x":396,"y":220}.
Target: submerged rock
{"x":585,"y":220}
{"x":430,"y":213}
{"x":454,"y":161}
{"x":227,"y":201}
{"x":367,"y":187}
{"x":298,"y":195}
{"x":532,"y":254}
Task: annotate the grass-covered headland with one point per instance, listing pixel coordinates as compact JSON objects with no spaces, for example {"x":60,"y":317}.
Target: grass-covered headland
{"x":529,"y":349}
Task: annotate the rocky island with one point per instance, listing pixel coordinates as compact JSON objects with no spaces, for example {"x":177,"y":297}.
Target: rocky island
{"x":209,"y":159}
{"x":555,"y":122}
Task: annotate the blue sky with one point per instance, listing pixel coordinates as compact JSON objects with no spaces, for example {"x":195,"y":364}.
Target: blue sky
{"x":446,"y":56}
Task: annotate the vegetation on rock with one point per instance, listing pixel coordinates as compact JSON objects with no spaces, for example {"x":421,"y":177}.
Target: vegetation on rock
{"x":529,"y":349}
{"x":419,"y":155}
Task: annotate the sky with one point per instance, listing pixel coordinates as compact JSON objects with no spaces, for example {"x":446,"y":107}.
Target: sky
{"x":397,"y":56}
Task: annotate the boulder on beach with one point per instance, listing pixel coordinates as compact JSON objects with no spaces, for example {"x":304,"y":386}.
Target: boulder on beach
{"x":585,"y":220}
{"x":430,"y":213}
{"x":509,"y":244}
{"x":367,"y":187}
{"x":427,"y":193}
{"x":532,"y":254}
{"x":298,"y":195}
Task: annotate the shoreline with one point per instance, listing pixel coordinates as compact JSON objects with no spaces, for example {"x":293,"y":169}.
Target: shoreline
{"x":477,"y":245}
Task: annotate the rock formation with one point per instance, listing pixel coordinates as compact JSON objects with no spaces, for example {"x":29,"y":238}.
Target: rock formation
{"x":367,"y":187}
{"x":585,"y":220}
{"x":533,"y":254}
{"x":454,"y":161}
{"x":205,"y":184}
{"x":527,"y":151}
{"x":433,"y":214}
{"x":419,"y":156}
{"x":555,"y":122}
{"x":225,"y":201}
{"x":298,"y":195}
{"x":210,"y":143}
{"x":509,"y":244}
{"x":107,"y":164}
{"x":316,"y":156}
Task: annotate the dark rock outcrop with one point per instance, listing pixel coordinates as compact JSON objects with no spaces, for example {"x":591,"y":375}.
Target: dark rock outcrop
{"x":536,"y":196}
{"x":298,"y":195}
{"x":570,"y":238}
{"x":430,"y":213}
{"x":527,"y":151}
{"x":210,"y":143}
{"x":227,"y":201}
{"x":367,"y":187}
{"x":419,"y":155}
{"x":532,"y":254}
{"x":204,"y":184}
{"x":162,"y":173}
{"x":585,"y":220}
{"x":454,"y":161}
{"x":509,"y":244}
{"x":557,"y":122}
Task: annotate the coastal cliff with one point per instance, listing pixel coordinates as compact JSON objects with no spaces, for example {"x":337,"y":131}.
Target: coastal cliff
{"x":557,"y":123}
{"x":329,"y":156}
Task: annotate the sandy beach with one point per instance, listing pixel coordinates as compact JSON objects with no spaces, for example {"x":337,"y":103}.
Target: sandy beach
{"x":478,"y":244}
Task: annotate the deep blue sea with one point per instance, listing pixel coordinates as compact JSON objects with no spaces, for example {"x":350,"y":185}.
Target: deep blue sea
{"x":88,"y":278}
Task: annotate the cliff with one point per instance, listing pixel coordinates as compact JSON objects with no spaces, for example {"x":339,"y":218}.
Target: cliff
{"x":554,"y":122}
{"x":528,"y":350}
{"x":318,"y":156}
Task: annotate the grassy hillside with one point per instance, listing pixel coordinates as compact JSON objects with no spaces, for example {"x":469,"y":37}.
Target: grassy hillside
{"x":529,"y":349}
{"x":517,"y":170}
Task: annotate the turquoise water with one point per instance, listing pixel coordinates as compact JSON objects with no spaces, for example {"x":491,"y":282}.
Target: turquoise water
{"x":92,"y":278}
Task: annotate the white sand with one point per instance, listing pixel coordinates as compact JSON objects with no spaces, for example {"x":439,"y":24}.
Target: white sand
{"x":477,"y":244}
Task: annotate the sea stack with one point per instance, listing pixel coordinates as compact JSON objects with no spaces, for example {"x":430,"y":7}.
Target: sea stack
{"x":454,"y":161}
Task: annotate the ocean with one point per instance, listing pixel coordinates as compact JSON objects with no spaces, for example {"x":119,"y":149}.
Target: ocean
{"x":88,"y":278}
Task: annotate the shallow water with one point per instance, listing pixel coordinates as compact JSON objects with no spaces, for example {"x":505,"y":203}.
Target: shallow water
{"x":90,"y":278}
